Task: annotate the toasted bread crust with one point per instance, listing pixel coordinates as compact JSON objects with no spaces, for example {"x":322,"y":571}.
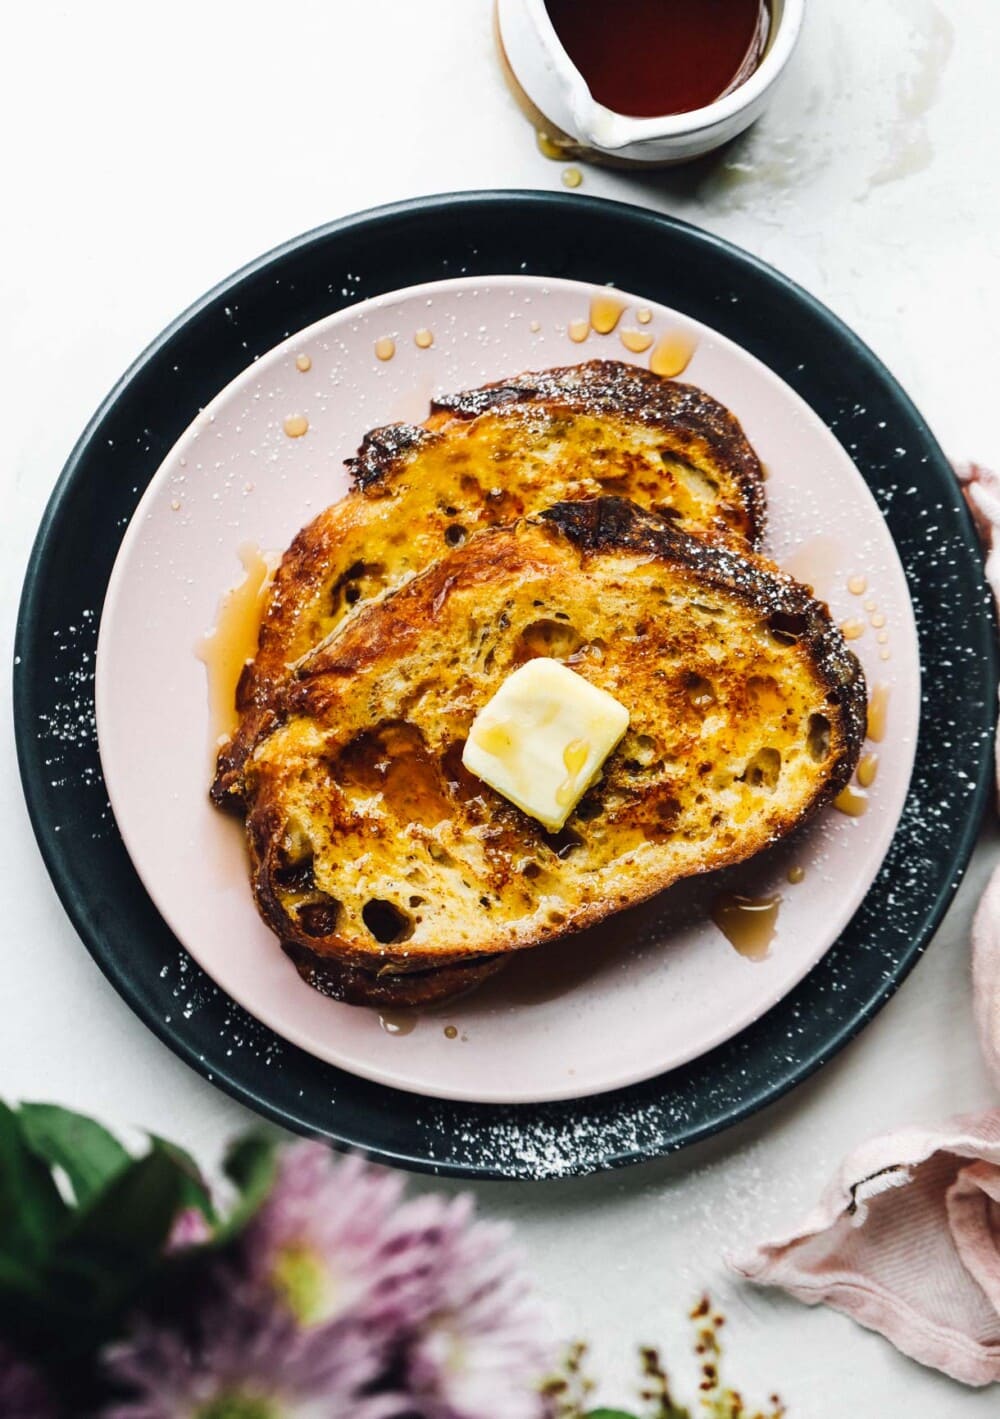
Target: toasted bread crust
{"x":372,"y":720}
{"x":355,"y":985}
{"x":697,"y":425}
{"x":486,"y":457}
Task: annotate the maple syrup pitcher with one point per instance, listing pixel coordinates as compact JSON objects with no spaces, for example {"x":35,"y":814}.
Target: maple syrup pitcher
{"x":638,"y":82}
{"x":648,"y":58}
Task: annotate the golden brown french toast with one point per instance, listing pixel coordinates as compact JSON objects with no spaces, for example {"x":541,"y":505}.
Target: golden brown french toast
{"x":393,"y":874}
{"x":482,"y":458}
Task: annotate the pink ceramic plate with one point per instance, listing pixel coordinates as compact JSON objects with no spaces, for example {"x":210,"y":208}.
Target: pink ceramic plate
{"x":651,"y":988}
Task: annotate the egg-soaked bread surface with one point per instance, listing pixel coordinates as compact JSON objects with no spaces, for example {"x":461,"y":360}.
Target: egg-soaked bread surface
{"x":393,"y":875}
{"x":486,"y":457}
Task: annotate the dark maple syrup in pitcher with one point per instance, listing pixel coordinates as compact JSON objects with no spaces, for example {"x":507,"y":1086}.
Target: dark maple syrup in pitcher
{"x":648,"y":58}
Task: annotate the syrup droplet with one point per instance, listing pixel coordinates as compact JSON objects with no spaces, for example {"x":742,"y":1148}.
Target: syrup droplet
{"x":636,"y":340}
{"x":747,"y":923}
{"x":884,"y":655}
{"x":878,"y":620}
{"x":796,"y":874}
{"x":233,"y":641}
{"x":423,"y":339}
{"x":857,"y":585}
{"x":644,"y":315}
{"x":397,"y":1022}
{"x":851,"y":630}
{"x":883,"y":637}
{"x":605,"y":313}
{"x":572,"y":177}
{"x":385,"y":348}
{"x":296,"y":425}
{"x":550,"y":147}
{"x":870,"y":604}
{"x":852,"y":801}
{"x":672,"y":355}
{"x":867,"y":769}
{"x":574,"y":758}
{"x":535,"y":326}
{"x":579,"y":330}
{"x":175,"y":505}
{"x":878,"y":710}
{"x":493,"y":738}
{"x":451,"y":1032}
{"x":303,"y":363}
{"x":575,"y":755}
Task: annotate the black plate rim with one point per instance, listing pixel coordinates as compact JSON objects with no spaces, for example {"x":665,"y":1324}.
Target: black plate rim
{"x":31,"y":770}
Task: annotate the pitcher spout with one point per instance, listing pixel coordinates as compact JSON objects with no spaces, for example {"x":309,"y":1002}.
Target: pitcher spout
{"x":601,"y":127}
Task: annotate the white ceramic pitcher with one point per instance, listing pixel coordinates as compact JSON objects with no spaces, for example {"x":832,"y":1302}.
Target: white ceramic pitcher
{"x":556,"y":96}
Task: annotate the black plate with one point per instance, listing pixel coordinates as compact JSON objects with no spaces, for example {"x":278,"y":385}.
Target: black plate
{"x":480,"y":233}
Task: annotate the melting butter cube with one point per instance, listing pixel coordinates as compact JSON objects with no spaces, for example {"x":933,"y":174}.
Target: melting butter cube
{"x":542,"y":739}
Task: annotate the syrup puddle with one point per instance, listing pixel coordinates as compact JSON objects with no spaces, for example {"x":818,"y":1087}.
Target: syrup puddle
{"x":749,"y":924}
{"x":225,"y":650}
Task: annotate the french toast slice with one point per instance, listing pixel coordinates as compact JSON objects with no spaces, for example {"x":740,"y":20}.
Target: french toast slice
{"x":383,"y":865}
{"x":485,"y":457}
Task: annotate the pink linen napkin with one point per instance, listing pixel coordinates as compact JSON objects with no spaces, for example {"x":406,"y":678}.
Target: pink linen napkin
{"x":906,"y":1238}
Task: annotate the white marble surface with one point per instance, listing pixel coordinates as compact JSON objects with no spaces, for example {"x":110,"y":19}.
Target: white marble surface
{"x":151,"y":150}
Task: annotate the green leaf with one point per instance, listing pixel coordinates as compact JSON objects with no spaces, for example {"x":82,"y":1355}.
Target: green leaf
{"x":111,"y":1248}
{"x":128,"y":1222}
{"x":609,"y":1414}
{"x":88,"y":1154}
{"x":251,"y":1163}
{"x":31,"y":1210}
{"x":195,"y":1189}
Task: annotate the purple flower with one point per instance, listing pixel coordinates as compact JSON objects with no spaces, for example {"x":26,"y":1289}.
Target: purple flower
{"x":446,"y":1294}
{"x":189,"y":1229}
{"x":22,"y":1393}
{"x":483,"y":1346}
{"x":245,"y":1358}
{"x":335,"y":1239}
{"x":345,"y":1302}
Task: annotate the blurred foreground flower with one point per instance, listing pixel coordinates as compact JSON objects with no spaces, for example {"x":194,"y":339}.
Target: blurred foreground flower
{"x":334,"y":1237}
{"x":341,"y":1300}
{"x":483,"y":1344}
{"x":22,"y":1392}
{"x":243,"y":1357}
{"x":320,"y":1292}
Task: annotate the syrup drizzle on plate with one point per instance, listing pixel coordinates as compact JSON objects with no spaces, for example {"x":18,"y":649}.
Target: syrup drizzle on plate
{"x":749,"y":924}
{"x":226,"y":648}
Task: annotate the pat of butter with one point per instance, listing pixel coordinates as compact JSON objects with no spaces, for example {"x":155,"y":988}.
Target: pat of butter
{"x":542,"y":739}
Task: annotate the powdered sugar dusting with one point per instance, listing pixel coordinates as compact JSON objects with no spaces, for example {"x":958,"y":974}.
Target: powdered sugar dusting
{"x":953,"y":615}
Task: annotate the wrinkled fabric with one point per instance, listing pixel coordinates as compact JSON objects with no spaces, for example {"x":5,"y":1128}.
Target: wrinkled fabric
{"x":906,"y":1241}
{"x":906,"y":1238}
{"x":986,"y":974}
